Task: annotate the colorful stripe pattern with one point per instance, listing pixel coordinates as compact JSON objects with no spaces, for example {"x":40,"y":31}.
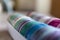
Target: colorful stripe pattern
{"x":33,"y":30}
{"x":55,"y":22}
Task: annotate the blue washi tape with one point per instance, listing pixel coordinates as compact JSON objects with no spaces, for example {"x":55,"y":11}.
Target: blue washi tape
{"x":34,"y":28}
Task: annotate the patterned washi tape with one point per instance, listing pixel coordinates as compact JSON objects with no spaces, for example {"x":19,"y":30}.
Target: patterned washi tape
{"x":15,"y":18}
{"x":19,"y":23}
{"x":27,"y":26}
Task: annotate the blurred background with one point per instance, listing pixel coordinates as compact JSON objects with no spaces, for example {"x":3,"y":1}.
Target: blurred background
{"x":48,"y":7}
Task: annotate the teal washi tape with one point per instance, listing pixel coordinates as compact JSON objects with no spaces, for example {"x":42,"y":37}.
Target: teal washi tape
{"x":13,"y":19}
{"x":49,"y":30}
{"x":38,"y":33}
{"x":34,"y":28}
{"x":18,"y":23}
{"x":27,"y":26}
{"x":21,"y":26}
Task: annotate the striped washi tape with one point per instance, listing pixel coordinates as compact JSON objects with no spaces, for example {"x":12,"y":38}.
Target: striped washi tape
{"x":27,"y":26}
{"x":15,"y":18}
{"x":19,"y":22}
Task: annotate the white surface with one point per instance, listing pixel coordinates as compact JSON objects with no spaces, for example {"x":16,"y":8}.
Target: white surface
{"x":4,"y":25}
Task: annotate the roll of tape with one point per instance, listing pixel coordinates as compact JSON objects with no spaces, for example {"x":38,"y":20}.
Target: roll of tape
{"x":33,"y":30}
{"x":27,"y":26}
{"x":20,"y":23}
{"x":39,"y":34}
{"x":13,"y":19}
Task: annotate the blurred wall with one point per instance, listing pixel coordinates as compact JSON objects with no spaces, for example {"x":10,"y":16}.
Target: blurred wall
{"x":43,"y":6}
{"x":25,"y":4}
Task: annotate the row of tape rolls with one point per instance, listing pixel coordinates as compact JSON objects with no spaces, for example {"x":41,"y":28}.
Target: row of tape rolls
{"x":53,"y":21}
{"x":37,"y":27}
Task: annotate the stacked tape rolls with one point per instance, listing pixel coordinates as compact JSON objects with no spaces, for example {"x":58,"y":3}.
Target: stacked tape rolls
{"x":33,"y":30}
{"x":46,"y":19}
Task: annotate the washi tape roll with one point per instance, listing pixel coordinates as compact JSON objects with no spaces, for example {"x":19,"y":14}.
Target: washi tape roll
{"x":37,"y":33}
{"x":20,"y":22}
{"x":33,"y":30}
{"x":41,"y":33}
{"x":15,"y":18}
{"x":27,"y":26}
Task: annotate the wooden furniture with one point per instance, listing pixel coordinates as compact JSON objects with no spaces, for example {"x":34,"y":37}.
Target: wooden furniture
{"x":55,"y":10}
